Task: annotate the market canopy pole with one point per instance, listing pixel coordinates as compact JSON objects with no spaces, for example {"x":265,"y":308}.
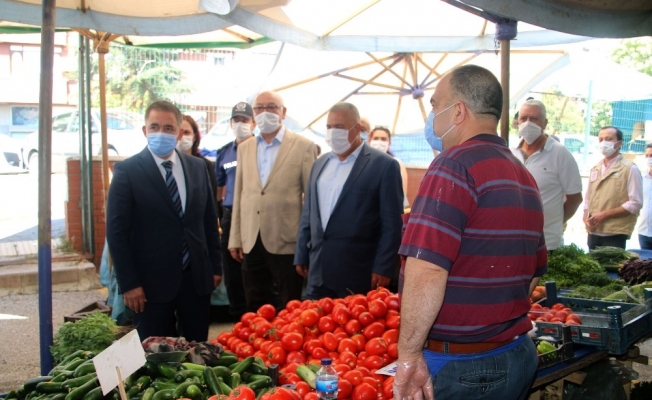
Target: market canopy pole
{"x":45,"y":185}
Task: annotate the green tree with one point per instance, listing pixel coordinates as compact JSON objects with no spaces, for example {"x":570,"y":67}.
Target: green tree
{"x":635,"y":53}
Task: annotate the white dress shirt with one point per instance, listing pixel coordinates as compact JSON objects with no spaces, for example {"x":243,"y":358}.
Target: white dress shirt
{"x":645,"y":219}
{"x":266,"y":154}
{"x":177,"y":172}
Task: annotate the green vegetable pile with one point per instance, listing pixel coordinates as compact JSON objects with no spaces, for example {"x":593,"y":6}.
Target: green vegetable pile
{"x":94,"y":333}
{"x":612,"y":257}
{"x":569,"y":266}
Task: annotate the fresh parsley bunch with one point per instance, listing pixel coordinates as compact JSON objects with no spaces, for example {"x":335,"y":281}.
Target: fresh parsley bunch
{"x":95,"y":332}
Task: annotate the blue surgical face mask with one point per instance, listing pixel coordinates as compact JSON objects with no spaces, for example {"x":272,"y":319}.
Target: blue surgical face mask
{"x":429,"y":132}
{"x":161,"y":144}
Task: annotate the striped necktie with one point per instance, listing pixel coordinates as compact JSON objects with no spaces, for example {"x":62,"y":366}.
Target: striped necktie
{"x":173,"y":189}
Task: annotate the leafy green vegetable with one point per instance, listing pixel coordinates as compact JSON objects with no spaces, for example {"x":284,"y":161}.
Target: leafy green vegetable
{"x":95,"y":332}
{"x":568,"y":265}
{"x":596,"y":292}
{"x":611,"y":257}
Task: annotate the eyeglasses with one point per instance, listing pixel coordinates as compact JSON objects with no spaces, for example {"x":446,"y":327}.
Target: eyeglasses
{"x":269,"y":108}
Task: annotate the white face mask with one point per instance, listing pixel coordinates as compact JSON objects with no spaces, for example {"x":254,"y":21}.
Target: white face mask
{"x":338,"y":140}
{"x":380,"y":145}
{"x":607,"y":148}
{"x":242,"y":130}
{"x":185,"y":143}
{"x":529,"y":131}
{"x":268,"y":122}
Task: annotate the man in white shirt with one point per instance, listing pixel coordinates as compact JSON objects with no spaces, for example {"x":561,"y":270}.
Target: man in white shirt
{"x":645,"y":222}
{"x":553,"y":168}
{"x":614,"y":196}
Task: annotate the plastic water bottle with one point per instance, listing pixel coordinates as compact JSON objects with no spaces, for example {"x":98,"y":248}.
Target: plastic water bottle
{"x":326,"y":384}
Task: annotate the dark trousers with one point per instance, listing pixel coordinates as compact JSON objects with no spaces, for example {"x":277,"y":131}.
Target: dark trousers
{"x":232,"y":271}
{"x":188,"y":311}
{"x":611,"y":240}
{"x":270,"y":278}
{"x":645,"y":242}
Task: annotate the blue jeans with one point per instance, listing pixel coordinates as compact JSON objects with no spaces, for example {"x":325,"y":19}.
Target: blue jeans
{"x":645,"y":242}
{"x":504,"y":376}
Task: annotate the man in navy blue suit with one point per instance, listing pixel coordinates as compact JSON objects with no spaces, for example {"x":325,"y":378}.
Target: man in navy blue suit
{"x":162,"y":232}
{"x":350,"y":228}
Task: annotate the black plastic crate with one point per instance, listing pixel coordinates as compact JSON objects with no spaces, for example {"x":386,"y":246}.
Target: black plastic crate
{"x":609,"y":326}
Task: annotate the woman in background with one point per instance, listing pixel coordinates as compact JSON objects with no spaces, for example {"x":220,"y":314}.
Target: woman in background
{"x":380,"y":139}
{"x":189,"y":144}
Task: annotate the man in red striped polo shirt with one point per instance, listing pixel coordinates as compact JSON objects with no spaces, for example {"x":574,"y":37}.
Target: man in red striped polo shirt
{"x":475,"y":250}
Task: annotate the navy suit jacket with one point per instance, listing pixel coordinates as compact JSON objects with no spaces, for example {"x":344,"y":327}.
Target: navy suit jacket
{"x":363,"y":233}
{"x":145,"y":232}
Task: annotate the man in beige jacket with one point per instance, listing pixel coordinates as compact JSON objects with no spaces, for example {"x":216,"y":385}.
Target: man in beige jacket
{"x":271,"y":179}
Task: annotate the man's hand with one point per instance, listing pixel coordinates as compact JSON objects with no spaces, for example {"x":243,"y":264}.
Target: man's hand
{"x":412,"y":380}
{"x":217,"y":279}
{"x":135,"y":299}
{"x":596,"y":219}
{"x":378,"y":281}
{"x":237,"y":254}
{"x":302,"y":270}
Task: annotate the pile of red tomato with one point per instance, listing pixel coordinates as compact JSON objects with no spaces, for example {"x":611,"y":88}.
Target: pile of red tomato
{"x":359,"y":333}
{"x":558,"y":313}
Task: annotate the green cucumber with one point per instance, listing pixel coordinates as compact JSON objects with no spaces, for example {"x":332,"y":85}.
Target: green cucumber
{"x":259,"y":361}
{"x":62,"y":377}
{"x":58,"y":396}
{"x":181,"y":376}
{"x":226,"y":353}
{"x":143,"y":382}
{"x":307,"y":375}
{"x":21,"y":392}
{"x":253,"y":378}
{"x":181,"y":389}
{"x":226,"y":361}
{"x":148,"y":394}
{"x":166,"y":370}
{"x":260,"y":393}
{"x":257,"y":369}
{"x":243,"y":365}
{"x":194,"y":392}
{"x":165,"y":394}
{"x":81,"y":391}
{"x":261,"y":383}
{"x":150,"y":369}
{"x":50,"y":387}
{"x":84,"y":369}
{"x":224,"y":388}
{"x":95,"y":394}
{"x":193,"y":366}
{"x":235,"y":380}
{"x":77,"y":382}
{"x":30,"y":385}
{"x":222,"y":371}
{"x":11,"y":395}
{"x":313,"y":367}
{"x":72,"y":356}
{"x":163,"y":385}
{"x":71,"y":366}
{"x":134,"y":390}
{"x":211,"y":381}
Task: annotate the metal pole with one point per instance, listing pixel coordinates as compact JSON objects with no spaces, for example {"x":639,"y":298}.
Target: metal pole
{"x":504,"y":80}
{"x":44,"y":185}
{"x":83,"y":169}
{"x":102,"y":47}
{"x":89,"y":122}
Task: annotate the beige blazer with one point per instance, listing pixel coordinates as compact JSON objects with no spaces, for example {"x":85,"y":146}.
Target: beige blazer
{"x":275,"y":209}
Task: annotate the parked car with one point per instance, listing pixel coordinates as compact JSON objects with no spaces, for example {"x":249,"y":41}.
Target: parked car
{"x":11,"y":157}
{"x":124,"y":135}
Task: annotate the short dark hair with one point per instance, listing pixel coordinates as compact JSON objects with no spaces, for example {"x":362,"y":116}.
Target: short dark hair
{"x":479,"y":89}
{"x":196,"y":137}
{"x":380,"y":128}
{"x":619,"y":133}
{"x":166,"y":106}
{"x":648,"y":146}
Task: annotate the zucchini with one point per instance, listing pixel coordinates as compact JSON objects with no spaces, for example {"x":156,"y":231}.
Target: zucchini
{"x":158,"y":386}
{"x":30,"y":385}
{"x":211,"y":381}
{"x":235,"y":380}
{"x":165,"y":394}
{"x":257,"y":377}
{"x":224,"y":388}
{"x":193,"y":366}
{"x":77,"y":382}
{"x":257,"y":369}
{"x":226,"y":353}
{"x":72,"y":356}
{"x":84,"y":369}
{"x":307,"y":375}
{"x":260,"y":393}
{"x":181,"y":389}
{"x":166,"y":370}
{"x":259,"y":361}
{"x":62,"y":377}
{"x":143,"y":382}
{"x":21,"y":392}
{"x":226,"y":361}
{"x":11,"y":395}
{"x":71,"y":366}
{"x":148,"y":394}
{"x":50,"y":387}
{"x":187,"y":373}
{"x":134,"y":390}
{"x":150,"y":369}
{"x":222,"y":371}
{"x":243,"y":365}
{"x":261,"y":383}
{"x":95,"y":394}
{"x":58,"y":396}
{"x":81,"y":391}
{"x":194,"y":392}
{"x":313,"y":367}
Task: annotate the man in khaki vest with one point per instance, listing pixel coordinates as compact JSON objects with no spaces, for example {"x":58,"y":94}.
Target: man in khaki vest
{"x":614,"y":196}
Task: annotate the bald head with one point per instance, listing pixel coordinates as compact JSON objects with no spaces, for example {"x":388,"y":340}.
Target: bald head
{"x":269,"y":97}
